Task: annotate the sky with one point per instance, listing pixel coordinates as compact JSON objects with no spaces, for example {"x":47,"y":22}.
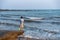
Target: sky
{"x":29,"y":4}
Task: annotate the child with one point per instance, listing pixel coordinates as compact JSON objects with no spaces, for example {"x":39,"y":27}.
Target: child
{"x":21,"y":24}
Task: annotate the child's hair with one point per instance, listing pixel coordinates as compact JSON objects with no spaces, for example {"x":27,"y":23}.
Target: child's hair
{"x":21,"y":17}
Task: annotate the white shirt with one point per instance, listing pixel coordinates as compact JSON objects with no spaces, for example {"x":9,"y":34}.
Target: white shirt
{"x":22,"y":20}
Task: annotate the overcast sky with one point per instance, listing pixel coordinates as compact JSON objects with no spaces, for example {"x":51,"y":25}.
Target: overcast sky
{"x":30,"y":4}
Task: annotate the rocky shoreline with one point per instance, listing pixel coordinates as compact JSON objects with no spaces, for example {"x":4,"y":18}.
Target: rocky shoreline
{"x":9,"y":35}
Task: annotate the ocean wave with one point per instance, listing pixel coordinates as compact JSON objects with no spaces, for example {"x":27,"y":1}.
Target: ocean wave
{"x":56,"y":17}
{"x":52,"y":31}
{"x":9,"y":15}
{"x":13,"y":19}
{"x":58,"y":23}
{"x":8,"y":24}
{"x":40,"y":29}
{"x":30,"y":28}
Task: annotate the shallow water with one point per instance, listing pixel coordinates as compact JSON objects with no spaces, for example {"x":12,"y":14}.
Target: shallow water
{"x":10,"y":20}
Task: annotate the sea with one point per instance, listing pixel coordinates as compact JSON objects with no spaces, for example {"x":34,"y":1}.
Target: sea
{"x":48,"y":27}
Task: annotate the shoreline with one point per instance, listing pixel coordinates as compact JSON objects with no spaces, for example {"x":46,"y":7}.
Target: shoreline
{"x":16,"y":35}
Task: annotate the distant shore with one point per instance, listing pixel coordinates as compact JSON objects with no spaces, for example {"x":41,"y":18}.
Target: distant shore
{"x":30,"y":10}
{"x":16,"y":10}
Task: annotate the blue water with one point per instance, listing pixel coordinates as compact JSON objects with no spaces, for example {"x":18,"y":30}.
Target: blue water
{"x":10,"y":20}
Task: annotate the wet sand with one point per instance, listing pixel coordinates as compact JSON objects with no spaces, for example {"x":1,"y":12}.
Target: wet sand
{"x":10,"y":35}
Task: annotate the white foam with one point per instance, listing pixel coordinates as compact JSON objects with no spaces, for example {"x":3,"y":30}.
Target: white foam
{"x":34,"y":18}
{"x":29,"y":36}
